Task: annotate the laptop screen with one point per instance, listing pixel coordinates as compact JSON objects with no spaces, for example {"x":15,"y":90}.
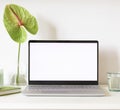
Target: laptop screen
{"x":63,"y":61}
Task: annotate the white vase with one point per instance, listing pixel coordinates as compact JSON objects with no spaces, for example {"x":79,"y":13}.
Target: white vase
{"x":21,"y":77}
{"x":21,"y":80}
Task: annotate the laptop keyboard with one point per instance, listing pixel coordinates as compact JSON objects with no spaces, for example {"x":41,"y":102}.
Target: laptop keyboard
{"x":61,"y":88}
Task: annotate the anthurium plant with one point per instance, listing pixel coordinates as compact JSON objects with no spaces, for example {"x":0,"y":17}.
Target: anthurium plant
{"x":17,"y":21}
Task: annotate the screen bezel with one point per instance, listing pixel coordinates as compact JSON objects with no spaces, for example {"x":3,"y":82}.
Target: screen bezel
{"x":34,"y":82}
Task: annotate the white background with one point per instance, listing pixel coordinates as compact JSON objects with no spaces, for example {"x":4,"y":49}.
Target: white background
{"x":63,"y":61}
{"x":68,"y":19}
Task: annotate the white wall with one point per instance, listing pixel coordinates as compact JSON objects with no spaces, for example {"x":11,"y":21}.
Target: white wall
{"x":68,"y":19}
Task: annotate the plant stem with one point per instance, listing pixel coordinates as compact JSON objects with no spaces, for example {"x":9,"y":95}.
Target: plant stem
{"x":18,"y":65}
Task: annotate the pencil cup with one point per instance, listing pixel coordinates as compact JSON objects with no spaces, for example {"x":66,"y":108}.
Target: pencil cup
{"x":114,"y":81}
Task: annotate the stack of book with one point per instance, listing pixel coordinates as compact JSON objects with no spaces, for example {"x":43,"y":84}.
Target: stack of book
{"x":6,"y":90}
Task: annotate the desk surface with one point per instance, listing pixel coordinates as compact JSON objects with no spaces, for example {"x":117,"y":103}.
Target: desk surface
{"x":18,"y":101}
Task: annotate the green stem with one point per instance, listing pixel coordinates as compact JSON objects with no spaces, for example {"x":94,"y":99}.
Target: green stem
{"x":18,"y":65}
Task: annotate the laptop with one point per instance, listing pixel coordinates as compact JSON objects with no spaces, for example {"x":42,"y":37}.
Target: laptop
{"x":63,"y":68}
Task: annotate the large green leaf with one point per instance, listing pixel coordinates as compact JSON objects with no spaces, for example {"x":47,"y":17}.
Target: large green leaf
{"x":16,"y":20}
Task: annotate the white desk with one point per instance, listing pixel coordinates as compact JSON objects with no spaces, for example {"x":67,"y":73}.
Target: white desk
{"x":21,"y":102}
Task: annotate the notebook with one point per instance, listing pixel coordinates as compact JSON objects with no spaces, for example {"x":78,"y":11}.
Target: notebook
{"x":63,"y":68}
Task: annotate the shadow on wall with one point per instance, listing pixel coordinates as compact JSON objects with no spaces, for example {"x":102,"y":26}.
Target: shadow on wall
{"x":108,"y":62}
{"x":47,"y":31}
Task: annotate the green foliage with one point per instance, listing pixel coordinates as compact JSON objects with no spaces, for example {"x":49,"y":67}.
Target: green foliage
{"x":16,"y":20}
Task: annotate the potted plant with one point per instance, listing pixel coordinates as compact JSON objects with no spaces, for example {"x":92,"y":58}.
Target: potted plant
{"x":17,"y":20}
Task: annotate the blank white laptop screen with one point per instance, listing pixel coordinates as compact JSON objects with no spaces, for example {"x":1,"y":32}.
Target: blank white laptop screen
{"x":63,"y":61}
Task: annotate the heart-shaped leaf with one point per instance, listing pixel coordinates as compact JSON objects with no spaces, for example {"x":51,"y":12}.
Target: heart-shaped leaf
{"x":16,"y":20}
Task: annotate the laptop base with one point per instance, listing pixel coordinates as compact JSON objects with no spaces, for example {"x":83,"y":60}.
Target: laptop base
{"x":64,"y":90}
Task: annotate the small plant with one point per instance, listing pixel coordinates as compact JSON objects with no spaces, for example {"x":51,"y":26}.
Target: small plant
{"x":17,"y":20}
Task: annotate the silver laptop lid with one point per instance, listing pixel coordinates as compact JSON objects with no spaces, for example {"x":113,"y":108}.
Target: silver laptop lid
{"x":62,"y":62}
